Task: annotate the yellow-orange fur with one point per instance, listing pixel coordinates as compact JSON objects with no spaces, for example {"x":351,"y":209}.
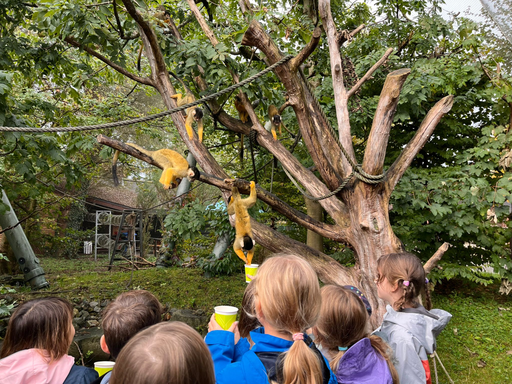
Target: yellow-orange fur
{"x":275,"y":120}
{"x":193,"y":114}
{"x":174,"y":165}
{"x":242,"y":112}
{"x":239,"y":207}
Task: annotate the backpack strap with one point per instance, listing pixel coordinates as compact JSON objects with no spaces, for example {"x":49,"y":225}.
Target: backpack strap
{"x":273,"y":362}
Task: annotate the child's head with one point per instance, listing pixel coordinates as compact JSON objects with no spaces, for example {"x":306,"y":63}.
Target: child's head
{"x":44,"y":324}
{"x":287,"y":297}
{"x":129,"y":313}
{"x":401,"y":279}
{"x":342,"y":321}
{"x":166,"y":353}
{"x":248,"y":320}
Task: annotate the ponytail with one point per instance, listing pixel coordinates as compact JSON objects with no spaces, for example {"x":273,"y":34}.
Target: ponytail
{"x":301,"y":365}
{"x":428,"y":298}
{"x":385,"y":351}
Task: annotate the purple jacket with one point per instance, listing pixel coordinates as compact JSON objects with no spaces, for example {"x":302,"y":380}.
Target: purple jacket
{"x":362,"y":364}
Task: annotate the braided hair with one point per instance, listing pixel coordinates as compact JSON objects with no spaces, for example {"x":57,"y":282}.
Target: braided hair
{"x":406,"y":270}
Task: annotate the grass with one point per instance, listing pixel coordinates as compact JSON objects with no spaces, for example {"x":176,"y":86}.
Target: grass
{"x":475,"y":347}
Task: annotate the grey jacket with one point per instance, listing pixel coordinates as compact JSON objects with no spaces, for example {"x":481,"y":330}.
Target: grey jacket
{"x":412,"y":335}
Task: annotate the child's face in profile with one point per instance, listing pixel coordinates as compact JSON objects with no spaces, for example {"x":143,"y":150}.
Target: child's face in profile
{"x":385,"y":290}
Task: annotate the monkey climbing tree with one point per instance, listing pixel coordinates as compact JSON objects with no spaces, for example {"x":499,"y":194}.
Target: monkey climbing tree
{"x":354,"y":191}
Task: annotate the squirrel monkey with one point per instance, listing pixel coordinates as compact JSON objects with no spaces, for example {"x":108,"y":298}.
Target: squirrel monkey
{"x":274,"y":121}
{"x":174,"y":165}
{"x":238,"y":207}
{"x":242,"y":112}
{"x":193,"y":113}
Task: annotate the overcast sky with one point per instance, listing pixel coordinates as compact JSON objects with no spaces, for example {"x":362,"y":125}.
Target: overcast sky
{"x":462,"y":6}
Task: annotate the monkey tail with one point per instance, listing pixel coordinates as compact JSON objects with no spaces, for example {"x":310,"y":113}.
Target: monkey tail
{"x":114,"y":168}
{"x":139,"y":56}
{"x":140,"y":149}
{"x":181,"y":81}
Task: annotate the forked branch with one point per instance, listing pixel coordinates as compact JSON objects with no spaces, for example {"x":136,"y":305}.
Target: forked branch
{"x":378,"y":139}
{"x":424,"y":132}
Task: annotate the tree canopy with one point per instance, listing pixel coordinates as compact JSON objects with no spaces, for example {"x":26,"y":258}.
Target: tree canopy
{"x":74,"y":63}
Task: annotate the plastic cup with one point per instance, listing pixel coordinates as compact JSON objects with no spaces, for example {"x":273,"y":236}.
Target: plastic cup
{"x":225,"y":315}
{"x":250,"y":269}
{"x":103,"y":367}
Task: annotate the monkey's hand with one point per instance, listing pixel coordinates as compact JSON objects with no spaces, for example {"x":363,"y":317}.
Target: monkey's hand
{"x":229,"y":181}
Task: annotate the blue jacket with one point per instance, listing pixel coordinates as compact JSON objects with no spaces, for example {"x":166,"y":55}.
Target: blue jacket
{"x":248,"y":369}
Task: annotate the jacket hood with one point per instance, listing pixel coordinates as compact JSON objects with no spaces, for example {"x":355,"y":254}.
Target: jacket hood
{"x":425,"y":327}
{"x":30,"y":366}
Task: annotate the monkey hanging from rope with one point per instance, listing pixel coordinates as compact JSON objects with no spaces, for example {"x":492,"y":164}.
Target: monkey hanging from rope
{"x":238,"y":207}
{"x":193,"y":113}
{"x":175,"y":166}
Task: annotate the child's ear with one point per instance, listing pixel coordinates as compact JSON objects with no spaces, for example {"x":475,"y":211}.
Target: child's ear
{"x":257,"y":308}
{"x":103,"y":344}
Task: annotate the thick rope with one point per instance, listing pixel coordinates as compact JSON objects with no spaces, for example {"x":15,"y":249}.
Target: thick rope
{"x":151,"y":117}
{"x":357,"y":168}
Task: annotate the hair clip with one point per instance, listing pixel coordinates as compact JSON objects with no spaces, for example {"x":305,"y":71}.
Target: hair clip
{"x":362,"y":297}
{"x":406,"y":283}
{"x":426,"y":280}
{"x":342,"y":348}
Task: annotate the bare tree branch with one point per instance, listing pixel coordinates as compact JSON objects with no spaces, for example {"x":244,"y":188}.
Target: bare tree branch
{"x":424,"y":132}
{"x":333,"y":232}
{"x":117,"y":67}
{"x":375,"y":153}
{"x":340,"y":93}
{"x":310,"y":120}
{"x":370,"y":72}
{"x":307,"y":50}
{"x":202,"y":22}
{"x":345,"y":35}
{"x":329,"y":271}
{"x":432,"y":262}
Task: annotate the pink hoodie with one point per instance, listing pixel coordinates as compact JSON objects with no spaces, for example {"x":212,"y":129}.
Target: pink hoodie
{"x":30,"y":367}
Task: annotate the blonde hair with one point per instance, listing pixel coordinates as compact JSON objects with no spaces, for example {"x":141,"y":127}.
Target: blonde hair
{"x":44,"y":324}
{"x":398,"y":268}
{"x":288,"y":292}
{"x":342,"y":323}
{"x":165,"y":353}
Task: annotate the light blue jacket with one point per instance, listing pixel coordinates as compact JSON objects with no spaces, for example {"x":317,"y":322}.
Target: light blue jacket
{"x":248,"y":369}
{"x":412,"y":335}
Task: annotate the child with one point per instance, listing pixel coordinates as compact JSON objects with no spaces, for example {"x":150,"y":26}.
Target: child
{"x":35,"y":347}
{"x":129,"y":313}
{"x":341,"y":331}
{"x":247,"y":323}
{"x":408,"y":327}
{"x":166,"y":353}
{"x":286,"y":303}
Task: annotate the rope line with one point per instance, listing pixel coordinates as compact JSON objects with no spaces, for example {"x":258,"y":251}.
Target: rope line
{"x":150,"y":117}
{"x":357,"y":168}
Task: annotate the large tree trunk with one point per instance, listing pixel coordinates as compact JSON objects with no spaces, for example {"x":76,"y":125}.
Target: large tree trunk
{"x":360,"y":210}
